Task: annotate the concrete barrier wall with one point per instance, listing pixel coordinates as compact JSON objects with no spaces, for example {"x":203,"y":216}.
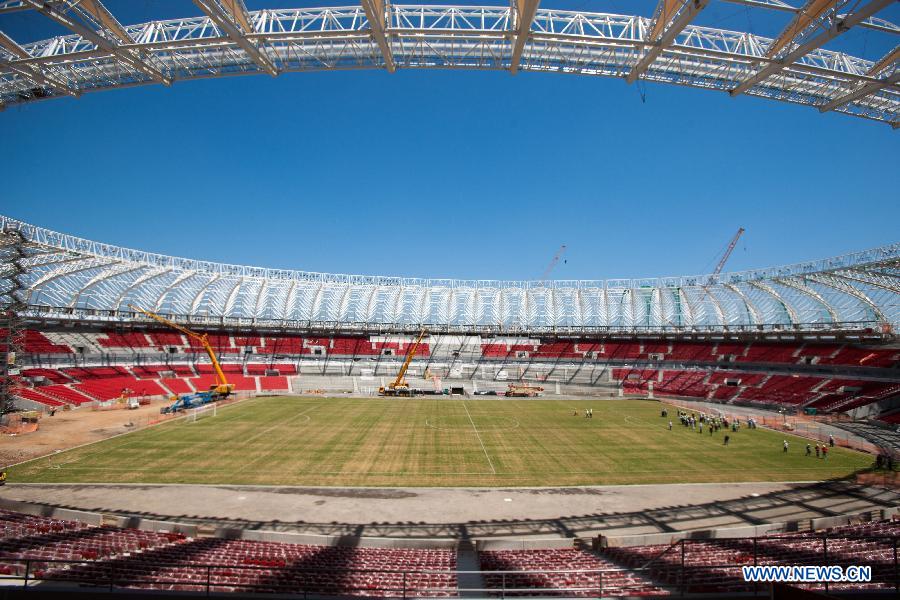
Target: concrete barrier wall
{"x":524,"y":544}
{"x":41,"y":510}
{"x":192,"y":530}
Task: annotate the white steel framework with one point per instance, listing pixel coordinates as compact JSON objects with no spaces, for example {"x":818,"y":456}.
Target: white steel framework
{"x":73,"y":278}
{"x":229,"y":40}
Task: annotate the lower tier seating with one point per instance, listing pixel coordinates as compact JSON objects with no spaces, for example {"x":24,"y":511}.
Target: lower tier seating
{"x":67,"y":551}
{"x":577,"y":572}
{"x":169,"y":561}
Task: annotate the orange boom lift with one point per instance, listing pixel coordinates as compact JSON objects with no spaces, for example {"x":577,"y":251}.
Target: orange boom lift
{"x":399,"y":387}
{"x":222,"y":388}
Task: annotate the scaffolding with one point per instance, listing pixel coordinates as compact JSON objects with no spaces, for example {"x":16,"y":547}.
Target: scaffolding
{"x":12,"y":307}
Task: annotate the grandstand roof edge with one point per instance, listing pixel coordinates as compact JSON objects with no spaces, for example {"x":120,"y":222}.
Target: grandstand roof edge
{"x":46,"y":237}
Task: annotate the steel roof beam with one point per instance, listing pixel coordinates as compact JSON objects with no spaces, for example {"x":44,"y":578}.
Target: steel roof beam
{"x":52,"y":12}
{"x":889,"y":64}
{"x":811,"y":14}
{"x":669,"y":19}
{"x":837,"y":282}
{"x":870,"y":23}
{"x":232,"y":18}
{"x":817,"y":16}
{"x":376,"y":15}
{"x":524,"y":14}
{"x":98,"y":12}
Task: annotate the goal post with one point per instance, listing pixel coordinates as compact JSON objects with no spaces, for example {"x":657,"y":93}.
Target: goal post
{"x":201,"y":412}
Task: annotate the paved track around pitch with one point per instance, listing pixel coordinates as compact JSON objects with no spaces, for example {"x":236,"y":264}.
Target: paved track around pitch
{"x":469,"y":512}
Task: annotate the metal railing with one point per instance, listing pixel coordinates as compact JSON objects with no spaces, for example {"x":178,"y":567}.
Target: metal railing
{"x":673,"y":571}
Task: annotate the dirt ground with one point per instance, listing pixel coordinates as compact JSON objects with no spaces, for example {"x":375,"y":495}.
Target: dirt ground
{"x":72,"y":428}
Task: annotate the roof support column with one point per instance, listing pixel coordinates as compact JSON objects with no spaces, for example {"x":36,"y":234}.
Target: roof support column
{"x":32,"y":72}
{"x":669,"y":19}
{"x":232,"y":18}
{"x":889,"y":65}
{"x":817,"y":14}
{"x":377,"y":16}
{"x":95,"y":10}
{"x":524,"y":11}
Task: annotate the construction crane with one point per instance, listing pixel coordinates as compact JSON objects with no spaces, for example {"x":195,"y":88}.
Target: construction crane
{"x":222,"y":388}
{"x":729,"y":250}
{"x":399,"y":387}
{"x":552,"y":265}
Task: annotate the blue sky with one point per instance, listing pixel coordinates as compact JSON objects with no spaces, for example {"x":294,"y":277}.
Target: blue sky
{"x":451,"y":174}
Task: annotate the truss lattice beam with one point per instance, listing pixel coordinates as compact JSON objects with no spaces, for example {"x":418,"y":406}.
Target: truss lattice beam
{"x":669,"y":19}
{"x":452,"y":37}
{"x":54,"y":13}
{"x":232,"y":18}
{"x":785,"y":50}
{"x":376,"y":15}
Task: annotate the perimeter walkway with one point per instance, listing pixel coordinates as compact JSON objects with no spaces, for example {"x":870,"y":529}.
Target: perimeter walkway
{"x":469,"y":513}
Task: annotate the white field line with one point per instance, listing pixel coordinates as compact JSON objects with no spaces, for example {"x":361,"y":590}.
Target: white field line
{"x":480,"y":441}
{"x":232,"y":471}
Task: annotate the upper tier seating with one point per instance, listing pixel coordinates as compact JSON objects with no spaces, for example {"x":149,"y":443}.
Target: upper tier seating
{"x":281,"y":369}
{"x":69,"y":341}
{"x":691,"y":351}
{"x":50,"y":374}
{"x":166,"y":339}
{"x":37,"y":343}
{"x":769,"y":353}
{"x":744,"y":378}
{"x":557,"y":350}
{"x":621,"y":350}
{"x":150,"y":371}
{"x":863,"y":357}
{"x":124,"y":340}
{"x":283,"y":345}
{"x":220,"y":343}
{"x":97,"y":372}
{"x":353,"y":347}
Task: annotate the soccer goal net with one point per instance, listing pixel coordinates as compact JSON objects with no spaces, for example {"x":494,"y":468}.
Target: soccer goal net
{"x":201,"y":412}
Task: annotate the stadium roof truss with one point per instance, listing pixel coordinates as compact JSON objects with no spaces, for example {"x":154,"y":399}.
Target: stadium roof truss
{"x":77,"y":279}
{"x":102,"y":53}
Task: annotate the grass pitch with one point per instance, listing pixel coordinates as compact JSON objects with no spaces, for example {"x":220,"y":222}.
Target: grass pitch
{"x":437,"y":442}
